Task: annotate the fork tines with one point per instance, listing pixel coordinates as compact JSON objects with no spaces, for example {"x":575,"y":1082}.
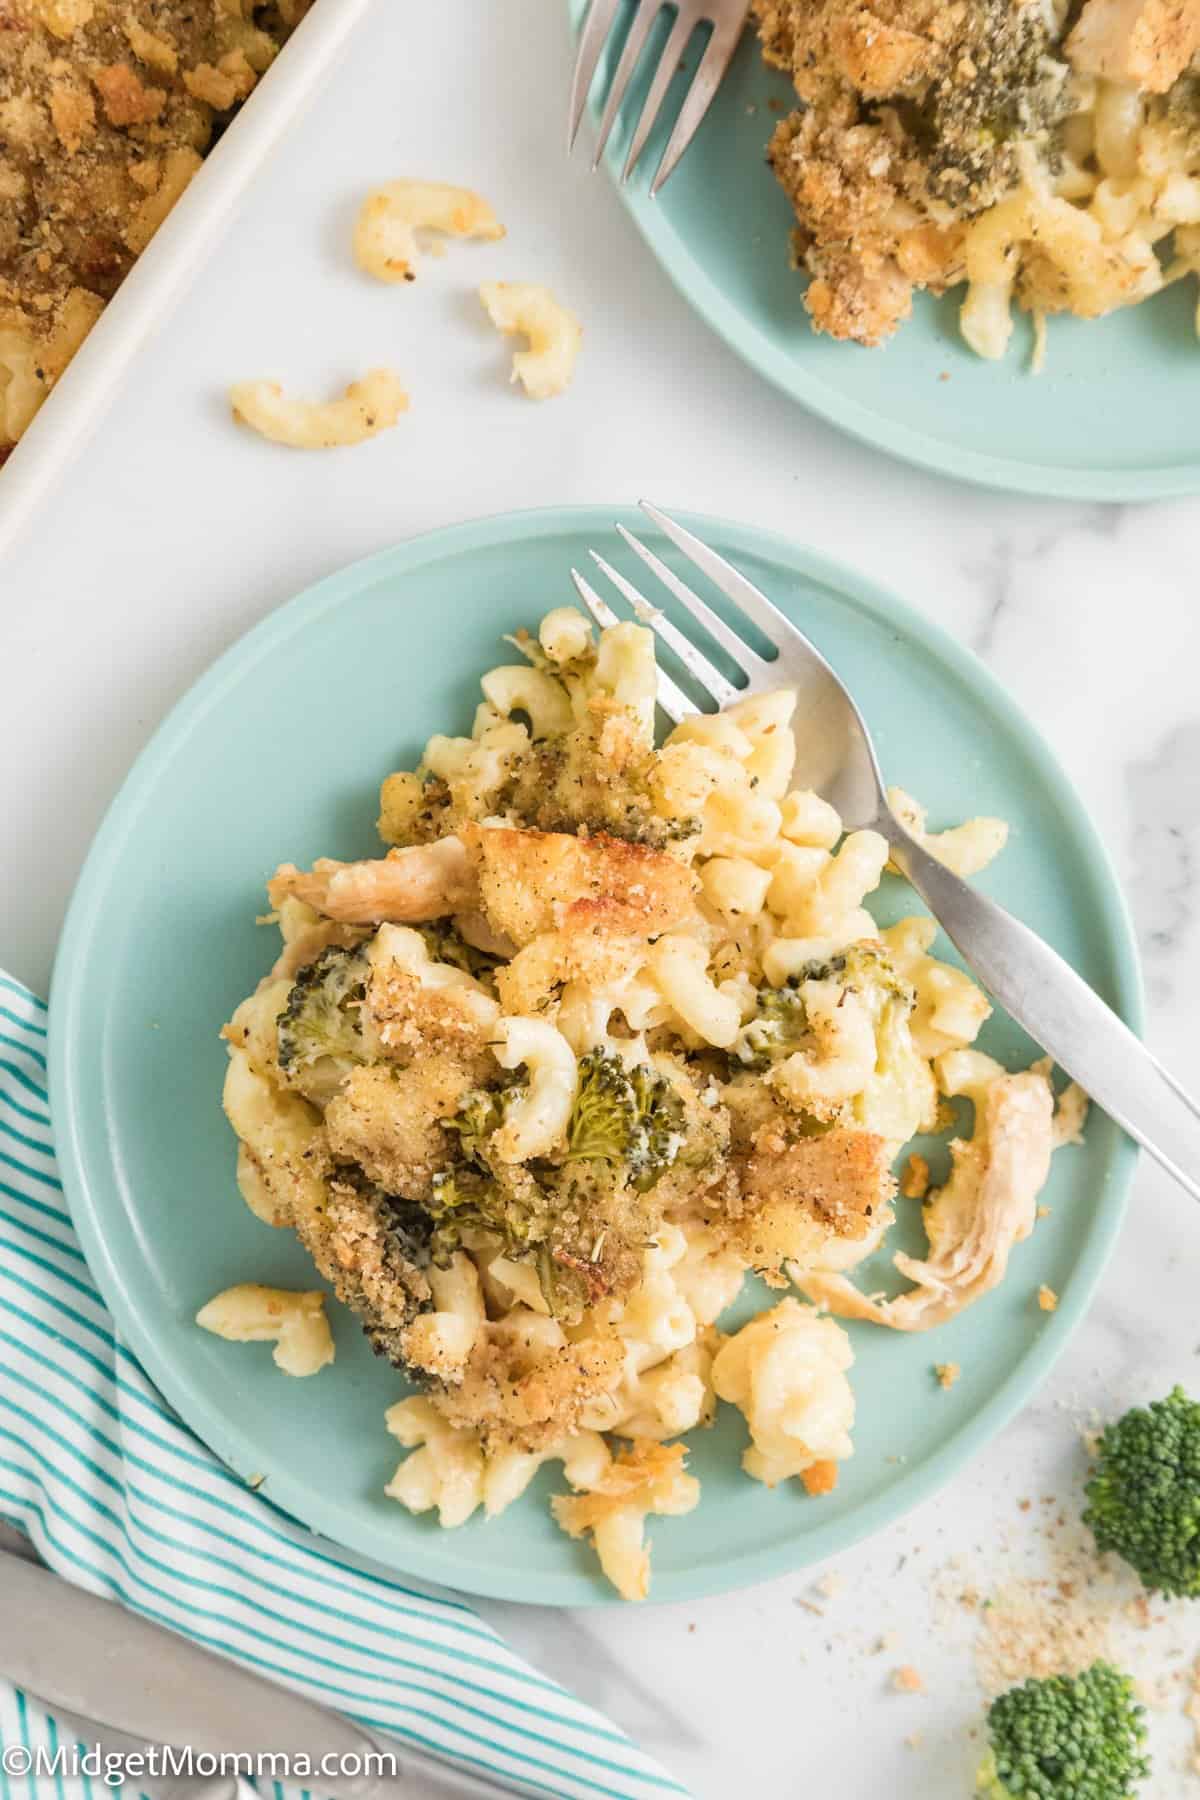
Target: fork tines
{"x":726,"y":19}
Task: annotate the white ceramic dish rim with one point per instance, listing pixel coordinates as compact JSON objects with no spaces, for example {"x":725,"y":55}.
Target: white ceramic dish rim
{"x":170,"y":262}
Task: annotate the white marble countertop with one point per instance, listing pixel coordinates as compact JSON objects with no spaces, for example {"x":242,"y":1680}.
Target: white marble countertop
{"x":176,"y":534}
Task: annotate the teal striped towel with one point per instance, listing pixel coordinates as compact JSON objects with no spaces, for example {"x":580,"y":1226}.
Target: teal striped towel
{"x":117,"y":1495}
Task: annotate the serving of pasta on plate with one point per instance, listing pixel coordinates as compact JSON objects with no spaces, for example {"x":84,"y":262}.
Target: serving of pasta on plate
{"x":605,"y":1031}
{"x":1043,"y":152}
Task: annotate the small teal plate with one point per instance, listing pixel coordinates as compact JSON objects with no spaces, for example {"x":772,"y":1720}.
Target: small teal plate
{"x":277,"y":753}
{"x":1113,"y":416}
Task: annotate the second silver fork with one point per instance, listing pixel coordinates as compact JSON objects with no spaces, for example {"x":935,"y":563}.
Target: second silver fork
{"x":726,"y":18}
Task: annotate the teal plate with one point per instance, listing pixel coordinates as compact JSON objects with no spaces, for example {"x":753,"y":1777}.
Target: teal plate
{"x":277,"y":753}
{"x":1113,"y":416}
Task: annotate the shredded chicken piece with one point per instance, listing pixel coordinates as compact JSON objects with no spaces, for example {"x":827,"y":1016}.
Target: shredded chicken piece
{"x":427,"y":881}
{"x":988,"y":1205}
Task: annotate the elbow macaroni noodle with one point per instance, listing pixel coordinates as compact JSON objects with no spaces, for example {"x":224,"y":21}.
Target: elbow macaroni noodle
{"x":367,"y":407}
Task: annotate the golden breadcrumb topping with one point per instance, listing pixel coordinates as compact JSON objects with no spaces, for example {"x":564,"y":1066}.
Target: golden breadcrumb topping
{"x":106,"y":110}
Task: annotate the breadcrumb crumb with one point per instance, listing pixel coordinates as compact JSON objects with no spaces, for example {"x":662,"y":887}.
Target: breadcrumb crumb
{"x":820,"y":1478}
{"x":947,"y":1373}
{"x":914,"y":1183}
{"x":1047,"y":1299}
{"x":907,"y":1680}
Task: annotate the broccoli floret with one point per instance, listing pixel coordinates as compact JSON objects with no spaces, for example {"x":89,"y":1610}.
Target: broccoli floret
{"x":481,"y":1112}
{"x":1066,"y":1737}
{"x":779,"y":1026}
{"x":319,"y":1033}
{"x":780,"y":1022}
{"x":470,"y":1198}
{"x":659,"y":1126}
{"x":444,"y":944}
{"x":1001,"y":83}
{"x":602,"y":1122}
{"x":631,"y":1118}
{"x":1144,"y":1493}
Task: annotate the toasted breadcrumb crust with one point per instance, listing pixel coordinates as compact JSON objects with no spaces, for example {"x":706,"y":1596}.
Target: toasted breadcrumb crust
{"x":106,"y":110}
{"x":912,"y":114}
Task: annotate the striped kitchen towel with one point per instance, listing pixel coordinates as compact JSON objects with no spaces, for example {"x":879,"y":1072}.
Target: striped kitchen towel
{"x":118,"y":1495}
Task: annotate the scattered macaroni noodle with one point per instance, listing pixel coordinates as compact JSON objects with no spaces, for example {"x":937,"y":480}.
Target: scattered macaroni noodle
{"x":555,"y":334}
{"x":607,"y":1030}
{"x":647,"y":1478}
{"x":367,"y":407}
{"x":294,"y":1323}
{"x":965,"y":849}
{"x":386,"y":234}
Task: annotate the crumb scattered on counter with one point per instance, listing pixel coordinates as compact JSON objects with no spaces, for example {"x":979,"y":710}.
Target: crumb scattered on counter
{"x":1043,"y":1212}
{"x":1191,"y":1711}
{"x":1047,"y":1299}
{"x":947,"y":1374}
{"x":907,"y":1680}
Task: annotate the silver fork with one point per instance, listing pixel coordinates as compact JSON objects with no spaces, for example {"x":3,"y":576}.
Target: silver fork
{"x":726,"y":18}
{"x":835,"y":757}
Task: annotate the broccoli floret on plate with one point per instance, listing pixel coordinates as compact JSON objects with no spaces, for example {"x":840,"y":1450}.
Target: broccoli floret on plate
{"x":780,"y":1022}
{"x":1144,"y":1493}
{"x":630,"y":1118}
{"x":319,"y":1032}
{"x":1066,"y":1737}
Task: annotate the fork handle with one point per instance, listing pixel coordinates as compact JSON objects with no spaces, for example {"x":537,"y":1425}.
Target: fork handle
{"x":1060,"y":1012}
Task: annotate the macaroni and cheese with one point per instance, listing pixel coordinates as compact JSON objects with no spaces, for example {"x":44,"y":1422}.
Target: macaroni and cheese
{"x":607,"y":1029}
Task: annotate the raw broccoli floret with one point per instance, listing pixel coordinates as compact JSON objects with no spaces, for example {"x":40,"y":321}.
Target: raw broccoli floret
{"x":320,"y":1024}
{"x":1144,"y":1493}
{"x":630,"y":1118}
{"x":1066,"y":1737}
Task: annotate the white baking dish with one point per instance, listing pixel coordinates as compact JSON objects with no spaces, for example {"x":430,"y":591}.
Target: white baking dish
{"x":158,"y":278}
